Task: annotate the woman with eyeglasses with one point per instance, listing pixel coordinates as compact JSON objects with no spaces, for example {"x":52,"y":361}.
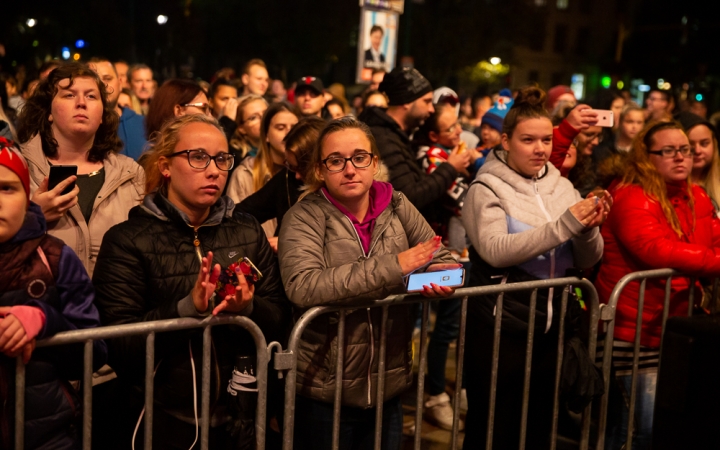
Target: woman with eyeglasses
{"x":68,"y":122}
{"x":660,"y":219}
{"x":255,"y":172}
{"x":353,"y":238}
{"x":175,"y":98}
{"x":163,"y":263}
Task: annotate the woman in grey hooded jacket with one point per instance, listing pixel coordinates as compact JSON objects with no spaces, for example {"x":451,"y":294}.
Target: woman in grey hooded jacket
{"x":525,"y":222}
{"x":353,"y":238}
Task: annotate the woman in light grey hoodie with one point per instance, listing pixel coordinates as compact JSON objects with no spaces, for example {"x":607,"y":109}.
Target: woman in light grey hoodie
{"x":525,"y":222}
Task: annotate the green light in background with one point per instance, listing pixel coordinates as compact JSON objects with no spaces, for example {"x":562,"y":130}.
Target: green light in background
{"x":35,"y":43}
{"x":620,"y":84}
{"x":605,"y":82}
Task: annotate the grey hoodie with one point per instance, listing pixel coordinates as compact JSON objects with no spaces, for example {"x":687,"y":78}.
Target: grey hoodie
{"x":513,"y":220}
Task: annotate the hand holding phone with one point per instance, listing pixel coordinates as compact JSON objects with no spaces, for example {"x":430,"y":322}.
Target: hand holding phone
{"x":235,"y":286}
{"x":56,"y":200}
{"x":605,"y":118}
{"x":448,"y":278}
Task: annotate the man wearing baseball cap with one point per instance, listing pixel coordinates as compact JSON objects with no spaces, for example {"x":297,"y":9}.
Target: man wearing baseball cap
{"x":410,"y":102}
{"x":309,"y":96}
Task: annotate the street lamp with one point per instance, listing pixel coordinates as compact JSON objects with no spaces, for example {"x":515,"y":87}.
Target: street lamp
{"x":30,"y":22}
{"x":162,"y":20}
{"x":495,"y":60}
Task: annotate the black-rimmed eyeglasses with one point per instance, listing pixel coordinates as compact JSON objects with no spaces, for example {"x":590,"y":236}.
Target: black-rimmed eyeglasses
{"x":198,"y":159}
{"x":671,"y":152}
{"x":337,"y":163}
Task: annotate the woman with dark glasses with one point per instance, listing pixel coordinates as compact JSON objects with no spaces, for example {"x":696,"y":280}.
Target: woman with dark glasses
{"x":164,"y":263}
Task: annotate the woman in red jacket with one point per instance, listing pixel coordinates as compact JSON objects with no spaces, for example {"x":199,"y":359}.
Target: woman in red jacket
{"x":660,"y":219}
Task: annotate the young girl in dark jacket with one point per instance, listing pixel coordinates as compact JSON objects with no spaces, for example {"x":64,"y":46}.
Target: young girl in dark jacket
{"x":44,"y":289}
{"x":164,"y":262}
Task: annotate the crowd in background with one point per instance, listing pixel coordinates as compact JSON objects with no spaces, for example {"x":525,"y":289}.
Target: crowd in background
{"x":331,"y":200}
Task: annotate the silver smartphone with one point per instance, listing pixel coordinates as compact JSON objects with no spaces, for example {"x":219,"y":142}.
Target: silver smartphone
{"x":449,"y":278}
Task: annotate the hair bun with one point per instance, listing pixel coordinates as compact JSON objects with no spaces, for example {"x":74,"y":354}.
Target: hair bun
{"x":530,"y":96}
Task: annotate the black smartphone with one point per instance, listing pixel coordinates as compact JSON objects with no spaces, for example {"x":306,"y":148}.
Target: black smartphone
{"x":60,"y":173}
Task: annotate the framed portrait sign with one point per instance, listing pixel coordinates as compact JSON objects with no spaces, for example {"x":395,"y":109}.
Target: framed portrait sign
{"x":377,"y":42}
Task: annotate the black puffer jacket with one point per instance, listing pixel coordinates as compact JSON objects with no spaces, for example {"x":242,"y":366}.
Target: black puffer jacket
{"x":406,"y":175}
{"x":147,"y":268}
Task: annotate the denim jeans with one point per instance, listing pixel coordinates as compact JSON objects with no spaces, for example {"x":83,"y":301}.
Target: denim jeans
{"x":314,"y":423}
{"x":619,"y":413}
{"x":447,"y":328}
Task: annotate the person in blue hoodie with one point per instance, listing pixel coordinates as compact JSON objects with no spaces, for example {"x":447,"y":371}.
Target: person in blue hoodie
{"x":44,"y":290}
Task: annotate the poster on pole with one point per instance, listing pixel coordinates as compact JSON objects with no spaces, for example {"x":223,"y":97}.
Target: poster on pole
{"x":377,"y":42}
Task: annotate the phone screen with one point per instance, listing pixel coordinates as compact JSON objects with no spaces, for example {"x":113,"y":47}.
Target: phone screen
{"x":451,"y":278}
{"x":60,"y":173}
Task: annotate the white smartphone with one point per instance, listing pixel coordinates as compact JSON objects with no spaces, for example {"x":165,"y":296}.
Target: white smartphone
{"x":606,"y":118}
{"x":449,"y":278}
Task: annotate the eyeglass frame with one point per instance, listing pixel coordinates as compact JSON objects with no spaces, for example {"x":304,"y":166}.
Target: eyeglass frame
{"x":213,"y":158}
{"x":324,"y":162}
{"x":690,"y":152}
{"x":199,"y":105}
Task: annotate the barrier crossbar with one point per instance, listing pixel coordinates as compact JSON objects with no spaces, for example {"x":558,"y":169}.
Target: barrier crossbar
{"x":641,"y":277}
{"x":150,"y":329}
{"x":287,"y":361}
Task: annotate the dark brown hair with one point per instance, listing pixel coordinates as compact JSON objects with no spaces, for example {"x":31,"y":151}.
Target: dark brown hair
{"x":529,"y":104}
{"x":302,"y":139}
{"x":162,"y":108}
{"x":34,"y":117}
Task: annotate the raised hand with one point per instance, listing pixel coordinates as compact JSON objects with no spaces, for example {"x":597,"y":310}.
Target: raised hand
{"x":412,"y":259}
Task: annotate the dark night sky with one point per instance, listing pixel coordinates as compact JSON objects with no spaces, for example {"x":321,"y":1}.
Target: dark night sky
{"x":300,"y":37}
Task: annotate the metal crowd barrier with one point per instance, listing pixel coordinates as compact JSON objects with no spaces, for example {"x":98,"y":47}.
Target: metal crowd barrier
{"x":287,"y":360}
{"x":642,"y":277}
{"x":149,"y":329}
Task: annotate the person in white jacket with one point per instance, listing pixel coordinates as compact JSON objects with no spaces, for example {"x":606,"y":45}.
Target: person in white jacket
{"x":525,"y":222}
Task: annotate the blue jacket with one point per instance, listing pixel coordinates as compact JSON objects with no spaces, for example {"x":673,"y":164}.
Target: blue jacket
{"x":62,"y":289}
{"x":132,"y":132}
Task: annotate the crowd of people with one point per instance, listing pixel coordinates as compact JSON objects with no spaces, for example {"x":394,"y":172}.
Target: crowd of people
{"x":329,"y":200}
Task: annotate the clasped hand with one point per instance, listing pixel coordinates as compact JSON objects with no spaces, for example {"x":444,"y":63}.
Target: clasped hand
{"x":205,"y":287}
{"x":13,"y":338}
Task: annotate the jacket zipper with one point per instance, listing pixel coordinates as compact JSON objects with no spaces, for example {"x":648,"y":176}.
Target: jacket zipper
{"x":370,"y":325}
{"x":196,"y":244}
{"x":551,"y":291}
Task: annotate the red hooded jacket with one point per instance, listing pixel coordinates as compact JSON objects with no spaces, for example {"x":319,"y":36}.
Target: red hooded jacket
{"x":638,"y":237}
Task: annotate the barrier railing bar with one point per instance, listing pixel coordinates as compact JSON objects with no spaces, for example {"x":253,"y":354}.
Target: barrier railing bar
{"x":19,"y":402}
{"x":558,"y":368}
{"x":421,"y":373}
{"x":714,"y":297}
{"x":205,"y":395}
{"x":338,"y":381}
{"x":592,"y":349}
{"x":87,"y":336}
{"x":459,"y":373}
{"x":666,"y":303}
{"x":381,"y":380}
{"x":635,"y":366}
{"x":149,"y":387}
{"x":87,"y":394}
{"x":494,"y":370}
{"x":528,"y":368}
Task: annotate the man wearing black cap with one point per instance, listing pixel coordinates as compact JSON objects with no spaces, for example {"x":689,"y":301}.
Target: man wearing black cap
{"x":410,"y":103}
{"x":309,"y":96}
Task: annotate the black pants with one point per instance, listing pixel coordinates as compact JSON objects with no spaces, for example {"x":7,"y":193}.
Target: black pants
{"x":508,"y":404}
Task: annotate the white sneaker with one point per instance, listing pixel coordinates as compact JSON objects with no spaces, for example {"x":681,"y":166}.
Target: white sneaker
{"x":439,"y":411}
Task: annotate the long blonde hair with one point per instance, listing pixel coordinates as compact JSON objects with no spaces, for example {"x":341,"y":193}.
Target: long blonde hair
{"x":239,"y":141}
{"x":642,"y":172}
{"x":710,"y":176}
{"x":263,"y":168}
